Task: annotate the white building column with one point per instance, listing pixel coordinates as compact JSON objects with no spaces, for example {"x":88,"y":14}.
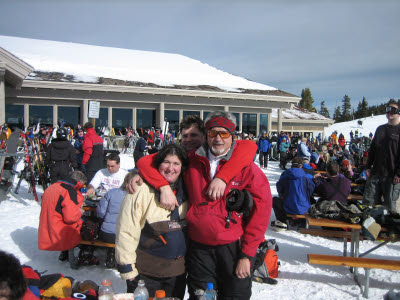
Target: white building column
{"x":258,"y":125}
{"x":134,"y":112}
{"x":201,"y":114}
{"x":55,"y":114}
{"x":84,"y":111}
{"x":110,"y":119}
{"x":279,"y":120}
{"x":26,"y":115}
{"x":241,"y":122}
{"x":161,"y":115}
{"x":226,"y":108}
{"x":2,"y":94}
{"x":180,"y":115}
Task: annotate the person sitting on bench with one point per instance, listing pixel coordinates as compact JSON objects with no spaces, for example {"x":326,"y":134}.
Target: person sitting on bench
{"x":333,"y":187}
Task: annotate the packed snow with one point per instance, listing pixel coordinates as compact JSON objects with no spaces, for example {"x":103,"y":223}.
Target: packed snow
{"x":297,"y":279}
{"x":87,"y":63}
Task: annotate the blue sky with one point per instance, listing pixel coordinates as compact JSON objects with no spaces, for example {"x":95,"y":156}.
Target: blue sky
{"x":333,"y":47}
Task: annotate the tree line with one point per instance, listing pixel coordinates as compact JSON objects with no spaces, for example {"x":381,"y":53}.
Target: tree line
{"x":343,"y":112}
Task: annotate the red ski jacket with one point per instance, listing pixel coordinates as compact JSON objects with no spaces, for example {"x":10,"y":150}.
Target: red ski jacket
{"x":60,"y":216}
{"x":92,"y":147}
{"x":207,"y":219}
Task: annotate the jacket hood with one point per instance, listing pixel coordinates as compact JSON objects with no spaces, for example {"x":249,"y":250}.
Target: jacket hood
{"x":293,"y":173}
{"x":76,"y":184}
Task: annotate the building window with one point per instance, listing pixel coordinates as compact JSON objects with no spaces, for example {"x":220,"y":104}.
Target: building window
{"x":121,"y":119}
{"x":145,"y":119}
{"x":15,"y":115}
{"x":263,"y":122}
{"x":191,"y":112}
{"x":69,"y":116}
{"x":102,"y":121}
{"x":249,"y":123}
{"x":237,"y":120}
{"x":172,"y":116}
{"x":41,"y":114}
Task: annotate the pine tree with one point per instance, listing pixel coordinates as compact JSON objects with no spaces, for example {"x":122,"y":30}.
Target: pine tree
{"x":363,"y":108}
{"x":337,"y":115}
{"x":324,"y":110}
{"x":346,"y":109}
{"x":307,"y":100}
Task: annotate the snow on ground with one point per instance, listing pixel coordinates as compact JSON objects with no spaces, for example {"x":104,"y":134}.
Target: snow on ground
{"x":297,"y":279}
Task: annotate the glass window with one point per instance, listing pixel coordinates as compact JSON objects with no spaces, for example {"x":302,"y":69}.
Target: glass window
{"x":249,"y":123}
{"x":69,"y":116}
{"x":15,"y":115}
{"x":263,"y":122}
{"x":190,"y":112}
{"x":42,"y":114}
{"x":205,"y":114}
{"x":172,"y":117}
{"x":145,"y":119}
{"x":121,"y":118}
{"x":237,"y":120}
{"x":102,"y":121}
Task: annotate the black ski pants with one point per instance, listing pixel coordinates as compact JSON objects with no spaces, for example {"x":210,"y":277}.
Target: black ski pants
{"x":173,"y":286}
{"x":217,"y":264}
{"x":263,"y":157}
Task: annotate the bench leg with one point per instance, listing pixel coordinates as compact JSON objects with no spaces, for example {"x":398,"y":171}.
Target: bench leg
{"x":366,"y":287}
{"x":345,"y":247}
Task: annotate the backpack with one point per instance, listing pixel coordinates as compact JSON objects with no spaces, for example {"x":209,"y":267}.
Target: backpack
{"x":266,"y":263}
{"x":90,"y":229}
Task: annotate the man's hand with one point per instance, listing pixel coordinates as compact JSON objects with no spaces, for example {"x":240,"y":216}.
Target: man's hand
{"x":167,"y":198}
{"x":216,"y":189}
{"x":243,"y":268}
{"x":396,"y":179}
{"x":82,"y":211}
{"x":91,"y":191}
{"x":368,"y":173}
{"x":132,"y":185}
{"x":317,"y":175}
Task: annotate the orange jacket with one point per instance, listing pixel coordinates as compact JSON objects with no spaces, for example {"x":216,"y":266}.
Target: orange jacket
{"x":60,"y":216}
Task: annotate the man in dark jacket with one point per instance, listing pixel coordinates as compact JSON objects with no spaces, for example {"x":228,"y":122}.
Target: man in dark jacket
{"x":60,"y":156}
{"x":140,"y":148}
{"x":383,"y":165}
{"x":92,"y":159}
{"x":335,"y":186}
{"x":295,"y":188}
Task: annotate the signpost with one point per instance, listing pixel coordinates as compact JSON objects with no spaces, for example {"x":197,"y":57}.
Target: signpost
{"x":94,"y":110}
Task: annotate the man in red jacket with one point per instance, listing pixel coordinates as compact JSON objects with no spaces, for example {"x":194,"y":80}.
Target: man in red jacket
{"x":221,"y":252}
{"x":60,"y":216}
{"x":92,"y":148}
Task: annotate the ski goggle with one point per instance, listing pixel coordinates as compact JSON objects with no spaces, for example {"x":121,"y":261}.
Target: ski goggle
{"x":222,"y":134}
{"x":392,"y":110}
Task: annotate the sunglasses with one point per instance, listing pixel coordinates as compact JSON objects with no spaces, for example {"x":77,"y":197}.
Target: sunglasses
{"x":392,"y":110}
{"x":222,"y":134}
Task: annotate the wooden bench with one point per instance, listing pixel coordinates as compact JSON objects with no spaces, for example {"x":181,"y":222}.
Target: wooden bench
{"x":355,"y":262}
{"x":296,"y":216}
{"x":97,"y":243}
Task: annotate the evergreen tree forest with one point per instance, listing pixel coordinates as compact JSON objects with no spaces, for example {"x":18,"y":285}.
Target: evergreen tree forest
{"x":344,"y":112}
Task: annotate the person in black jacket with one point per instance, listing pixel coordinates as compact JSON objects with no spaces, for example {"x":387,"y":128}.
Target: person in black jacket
{"x":60,"y":156}
{"x":383,"y":165}
{"x":141,"y":148}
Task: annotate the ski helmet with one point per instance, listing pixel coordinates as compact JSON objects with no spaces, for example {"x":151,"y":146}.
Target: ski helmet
{"x":62,"y":133}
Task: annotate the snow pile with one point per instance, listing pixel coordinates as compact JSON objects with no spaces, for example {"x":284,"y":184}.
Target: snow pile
{"x":87,"y":63}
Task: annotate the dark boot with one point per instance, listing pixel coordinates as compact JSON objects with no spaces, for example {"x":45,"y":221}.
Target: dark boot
{"x":110,"y":261}
{"x":63,"y":255}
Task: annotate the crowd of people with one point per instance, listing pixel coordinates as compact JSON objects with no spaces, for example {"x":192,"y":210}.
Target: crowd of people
{"x":169,"y":217}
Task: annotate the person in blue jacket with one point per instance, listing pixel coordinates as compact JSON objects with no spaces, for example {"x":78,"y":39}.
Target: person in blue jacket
{"x":264,"y":148}
{"x":302,"y":149}
{"x":107,"y":210}
{"x":295,"y":188}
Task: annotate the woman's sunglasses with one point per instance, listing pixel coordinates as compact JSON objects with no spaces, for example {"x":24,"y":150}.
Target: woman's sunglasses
{"x":392,"y":110}
{"x":222,"y":134}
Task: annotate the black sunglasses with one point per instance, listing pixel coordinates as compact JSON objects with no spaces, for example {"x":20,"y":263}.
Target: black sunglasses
{"x":392,"y":110}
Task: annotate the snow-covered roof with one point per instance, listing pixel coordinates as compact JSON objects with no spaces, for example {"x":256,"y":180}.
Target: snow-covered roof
{"x":61,"y":61}
{"x":299,"y":113}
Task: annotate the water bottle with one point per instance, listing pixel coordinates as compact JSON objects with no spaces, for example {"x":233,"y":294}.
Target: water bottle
{"x":84,"y":191}
{"x":106,"y":291}
{"x":210,"y":293}
{"x":160,"y":295}
{"x":141,"y":292}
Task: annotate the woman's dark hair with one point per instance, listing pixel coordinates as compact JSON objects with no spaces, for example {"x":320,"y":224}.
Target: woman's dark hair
{"x":332,"y":167}
{"x":11,"y":277}
{"x":171,"y":149}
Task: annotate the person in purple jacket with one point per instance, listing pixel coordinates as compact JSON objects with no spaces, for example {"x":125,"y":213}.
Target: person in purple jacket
{"x":333,"y":187}
{"x":107,"y":210}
